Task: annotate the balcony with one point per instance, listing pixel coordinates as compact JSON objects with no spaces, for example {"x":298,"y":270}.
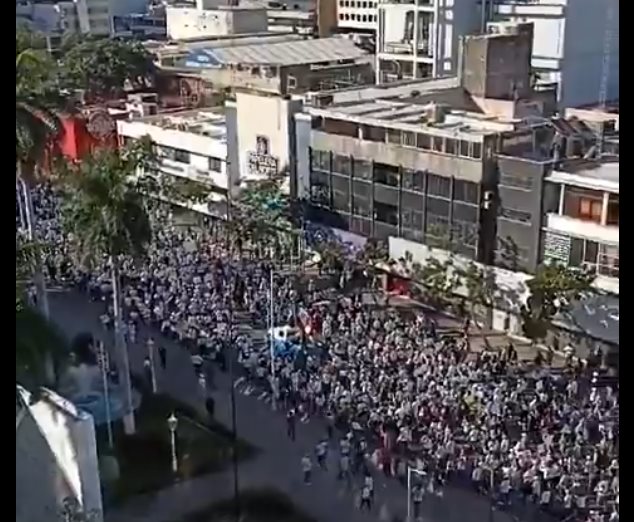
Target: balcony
{"x":571,"y":226}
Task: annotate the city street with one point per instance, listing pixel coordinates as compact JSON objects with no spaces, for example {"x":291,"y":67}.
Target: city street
{"x":278,"y":463}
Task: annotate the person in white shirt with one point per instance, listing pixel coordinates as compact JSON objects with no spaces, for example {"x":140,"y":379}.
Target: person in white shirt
{"x":307,"y":467}
{"x":366,"y":498}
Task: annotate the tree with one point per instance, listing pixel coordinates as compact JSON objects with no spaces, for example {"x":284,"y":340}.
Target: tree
{"x":104,"y":68}
{"x":36,"y":123}
{"x":480,"y":285}
{"x":103,"y":209}
{"x":552,"y":291}
{"x":440,"y":281}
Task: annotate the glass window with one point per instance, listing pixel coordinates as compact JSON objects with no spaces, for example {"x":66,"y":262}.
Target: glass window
{"x":386,"y":213}
{"x":515,"y":215}
{"x":609,"y":260}
{"x":476,"y":150}
{"x":319,"y":195}
{"x":465,"y":191}
{"x":437,"y":227}
{"x":613,"y":210}
{"x":182,"y":156}
{"x":464,"y":148}
{"x":215,"y":164}
{"x":362,"y":169}
{"x":590,"y":255}
{"x":423,"y":141}
{"x":517,"y":181}
{"x":342,"y":164}
{"x":373,"y":133}
{"x":386,"y":174}
{"x":393,"y":136}
{"x":409,"y":139}
{"x":320,"y":160}
{"x":583,"y":204}
{"x":436,"y":143}
{"x":450,"y":146}
{"x":438,"y":186}
{"x":340,"y":201}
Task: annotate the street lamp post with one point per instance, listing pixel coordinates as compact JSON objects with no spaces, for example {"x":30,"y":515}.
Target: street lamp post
{"x":411,"y":471}
{"x":172,"y":424}
{"x":272,"y":342}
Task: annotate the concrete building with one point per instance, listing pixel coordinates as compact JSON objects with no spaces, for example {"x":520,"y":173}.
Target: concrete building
{"x":420,"y":38}
{"x":55,"y":458}
{"x":571,"y":40}
{"x":93,"y":17}
{"x":359,"y":16}
{"x":272,"y":64}
{"x":190,"y":145}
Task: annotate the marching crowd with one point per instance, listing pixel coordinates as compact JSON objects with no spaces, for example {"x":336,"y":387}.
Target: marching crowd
{"x":401,"y":393}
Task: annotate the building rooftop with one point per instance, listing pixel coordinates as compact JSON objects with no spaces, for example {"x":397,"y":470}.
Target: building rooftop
{"x":597,"y":175}
{"x":597,"y":316}
{"x":294,"y":52}
{"x":210,"y":123}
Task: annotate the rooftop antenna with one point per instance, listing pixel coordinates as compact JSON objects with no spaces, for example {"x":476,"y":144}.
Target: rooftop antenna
{"x":605,"y":71}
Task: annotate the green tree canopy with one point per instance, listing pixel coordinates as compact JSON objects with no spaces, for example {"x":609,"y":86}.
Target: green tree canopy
{"x":104,"y":68}
{"x":554,"y":289}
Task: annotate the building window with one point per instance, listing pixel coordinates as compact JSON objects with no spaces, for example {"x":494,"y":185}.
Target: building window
{"x":423,"y":141}
{"x":438,"y":186}
{"x":319,"y":195}
{"x":515,"y":181}
{"x":340,"y":200}
{"x":515,"y":215}
{"x":215,"y":164}
{"x":362,"y":169}
{"x":464,"y":148}
{"x":584,"y":253}
{"x":342,"y":164}
{"x":436,"y":143}
{"x":373,"y":133}
{"x":450,"y":146}
{"x":409,"y":139}
{"x":609,"y":260}
{"x":613,"y":210}
{"x":413,"y":180}
{"x":393,"y":136}
{"x":320,"y":160}
{"x":385,"y":213}
{"x":476,"y":150}
{"x":437,"y":228}
{"x":341,"y":17}
{"x":583,"y":204}
{"x":182,"y":156}
{"x":465,"y":191}
{"x":464,"y":233}
{"x":386,"y":174}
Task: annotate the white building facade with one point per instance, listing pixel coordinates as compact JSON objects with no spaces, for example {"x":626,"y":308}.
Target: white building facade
{"x":420,"y":38}
{"x":357,"y":15}
{"x":571,"y":41}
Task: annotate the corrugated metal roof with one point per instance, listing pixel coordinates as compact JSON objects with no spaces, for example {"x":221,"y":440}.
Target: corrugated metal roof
{"x":286,"y":53}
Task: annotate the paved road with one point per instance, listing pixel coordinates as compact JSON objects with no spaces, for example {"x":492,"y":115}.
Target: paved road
{"x":278,"y":464}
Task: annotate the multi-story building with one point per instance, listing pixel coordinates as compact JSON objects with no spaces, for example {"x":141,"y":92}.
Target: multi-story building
{"x":358,"y":16}
{"x":94,"y":17}
{"x":273,"y":64}
{"x":420,"y":38}
{"x":191,"y":145}
{"x":572,"y":39}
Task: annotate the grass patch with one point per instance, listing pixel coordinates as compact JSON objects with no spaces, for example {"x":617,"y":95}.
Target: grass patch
{"x":256,"y":505}
{"x":145,"y":458}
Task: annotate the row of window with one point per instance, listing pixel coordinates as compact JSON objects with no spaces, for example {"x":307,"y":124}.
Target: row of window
{"x":435,"y":226}
{"x":354,"y":17}
{"x":395,"y":176}
{"x":440,"y":144}
{"x":357,"y":4}
{"x":184,"y":156}
{"x":597,"y":257}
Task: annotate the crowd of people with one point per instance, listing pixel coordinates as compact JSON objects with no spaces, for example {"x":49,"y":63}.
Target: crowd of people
{"x":401,"y":393}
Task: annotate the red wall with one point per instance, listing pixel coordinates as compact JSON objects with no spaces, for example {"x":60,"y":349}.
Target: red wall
{"x":75,"y":142}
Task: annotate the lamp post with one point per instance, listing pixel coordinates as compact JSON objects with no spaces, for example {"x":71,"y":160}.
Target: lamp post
{"x":172,"y":424}
{"x":272,"y":341}
{"x":411,"y":471}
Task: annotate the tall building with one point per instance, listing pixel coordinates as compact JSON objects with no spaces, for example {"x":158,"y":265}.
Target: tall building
{"x":572,"y":39}
{"x":420,"y":38}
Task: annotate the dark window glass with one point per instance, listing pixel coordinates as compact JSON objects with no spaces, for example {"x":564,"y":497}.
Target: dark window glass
{"x":450,"y":146}
{"x":464,"y":233}
{"x":439,"y":207}
{"x":340,"y":200}
{"x":515,"y":215}
{"x":342,"y":164}
{"x":576,"y":252}
{"x":436,"y":143}
{"x":393,"y":136}
{"x":386,"y":174}
{"x":437,"y":227}
{"x":182,"y":156}
{"x":516,"y":181}
{"x":476,"y":150}
{"x":423,"y":141}
{"x":320,"y":195}
{"x":409,"y":139}
{"x":362,"y":169}
{"x":215,"y":164}
{"x":613,"y":210}
{"x":320,"y":160}
{"x":386,"y":213}
{"x":438,"y":185}
{"x":464,"y":148}
{"x":373,"y":133}
{"x":465,"y":191}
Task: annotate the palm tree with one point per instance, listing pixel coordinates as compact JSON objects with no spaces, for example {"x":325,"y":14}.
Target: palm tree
{"x":36,"y":123}
{"x":105,"y":212}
